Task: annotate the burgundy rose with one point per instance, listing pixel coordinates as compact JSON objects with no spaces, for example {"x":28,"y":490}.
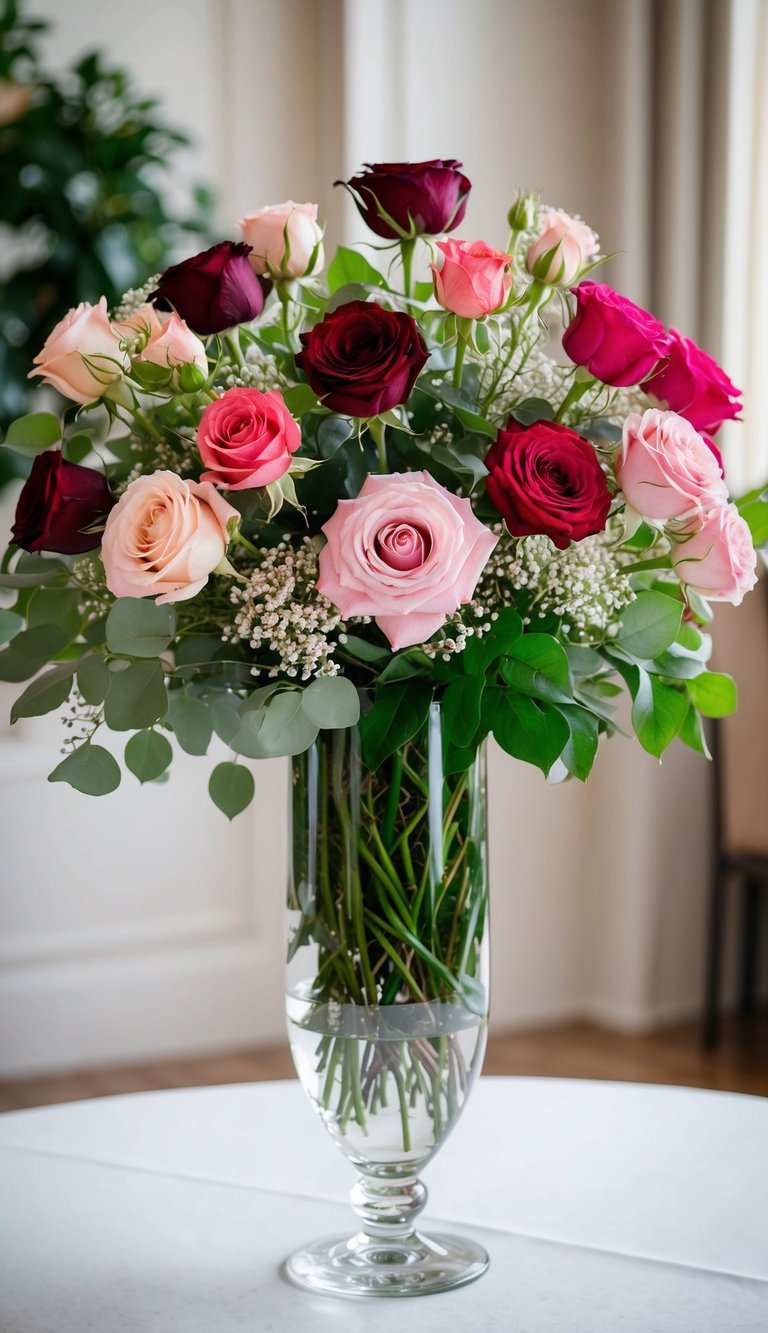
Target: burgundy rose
{"x":59,"y":505}
{"x":617,"y":341}
{"x":362,"y":359}
{"x":213,"y":290}
{"x":692,"y":384}
{"x":405,"y":199}
{"x":546,"y":479}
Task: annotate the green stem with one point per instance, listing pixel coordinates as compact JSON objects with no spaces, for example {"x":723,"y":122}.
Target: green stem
{"x":232,"y":340}
{"x":406,"y":256}
{"x":240,"y":540}
{"x":378,"y":432}
{"x":146,"y":424}
{"x":577,"y":390}
{"x":461,"y":351}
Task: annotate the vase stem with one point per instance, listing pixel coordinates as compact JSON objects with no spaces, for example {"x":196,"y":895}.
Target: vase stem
{"x":388,"y":1207}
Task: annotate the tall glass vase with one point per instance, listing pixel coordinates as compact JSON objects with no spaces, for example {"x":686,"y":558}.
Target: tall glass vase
{"x":387,"y":991}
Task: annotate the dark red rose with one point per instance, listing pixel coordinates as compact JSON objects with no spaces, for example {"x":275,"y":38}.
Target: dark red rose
{"x":213,"y":290}
{"x":362,"y":359}
{"x":547,"y":479}
{"x":405,"y":199}
{"x":59,"y":502}
{"x":691,"y":383}
{"x":617,"y":341}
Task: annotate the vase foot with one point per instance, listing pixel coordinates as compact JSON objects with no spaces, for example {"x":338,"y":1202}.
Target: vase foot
{"x":412,"y":1265}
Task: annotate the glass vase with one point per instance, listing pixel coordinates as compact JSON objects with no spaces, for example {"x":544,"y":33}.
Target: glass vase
{"x":387,"y":991}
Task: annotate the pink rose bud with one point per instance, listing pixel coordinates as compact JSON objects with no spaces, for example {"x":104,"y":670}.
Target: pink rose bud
{"x":719,"y":561}
{"x":559,"y":254}
{"x":84,"y":356}
{"x":666,"y":469}
{"x":405,"y":551}
{"x":173,"y":346}
{"x":473,"y":280}
{"x":690,"y":382}
{"x":617,"y":341}
{"x":246,"y":439}
{"x":165,"y":537}
{"x":286,"y":240}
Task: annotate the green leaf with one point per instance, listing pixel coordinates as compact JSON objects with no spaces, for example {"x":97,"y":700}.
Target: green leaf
{"x":481,"y":652}
{"x":532,"y":410}
{"x":404,"y":665}
{"x":78,"y":447}
{"x":537,"y":665}
{"x":649,"y":624}
{"x":225,"y":716}
{"x":286,"y":728}
{"x":658,"y":712}
{"x":534,"y":732}
{"x":136,"y":698}
{"x":10,"y":624}
{"x":581,"y":748}
{"x":45,"y":694}
{"x":399,"y":712}
{"x":91,"y":770}
{"x":300,"y":399}
{"x":191,"y":721}
{"x":148,"y":754}
{"x":714,"y":694}
{"x":331,"y":701}
{"x":692,"y":733}
{"x":33,"y":571}
{"x":94,"y":679}
{"x":33,"y":433}
{"x":363,"y":650}
{"x":139,"y":628}
{"x":56,"y":606}
{"x":349,"y":266}
{"x":461,"y":709}
{"x":755,"y":513}
{"x":31,"y":650}
{"x":445,"y":393}
{"x":246,"y":739}
{"x":231,"y":788}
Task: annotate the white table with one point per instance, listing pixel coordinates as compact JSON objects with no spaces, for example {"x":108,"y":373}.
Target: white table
{"x":604,"y":1206}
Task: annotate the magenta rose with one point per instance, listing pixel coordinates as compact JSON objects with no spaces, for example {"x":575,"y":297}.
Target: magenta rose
{"x":473,"y":279}
{"x":361,"y":359}
{"x":214,"y":290}
{"x":692,"y":383}
{"x":62,"y":507}
{"x":719,"y":560}
{"x":405,"y":551}
{"x":547,"y":479}
{"x":404,"y":199}
{"x":617,"y":341}
{"x":246,"y":439}
{"x":666,"y":470}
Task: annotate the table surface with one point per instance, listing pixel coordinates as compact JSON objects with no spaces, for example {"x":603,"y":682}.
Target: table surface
{"x":604,"y":1206}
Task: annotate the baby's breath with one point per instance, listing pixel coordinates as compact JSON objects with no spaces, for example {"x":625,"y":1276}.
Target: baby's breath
{"x":134,"y":298}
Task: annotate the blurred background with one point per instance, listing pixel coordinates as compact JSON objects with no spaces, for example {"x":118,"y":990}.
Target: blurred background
{"x":140,"y":934}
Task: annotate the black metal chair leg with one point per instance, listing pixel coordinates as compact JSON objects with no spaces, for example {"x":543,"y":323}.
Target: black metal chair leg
{"x":715,"y":940}
{"x":750,"y":942}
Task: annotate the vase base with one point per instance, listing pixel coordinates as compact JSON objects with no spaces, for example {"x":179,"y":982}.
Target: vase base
{"x":414,"y":1265}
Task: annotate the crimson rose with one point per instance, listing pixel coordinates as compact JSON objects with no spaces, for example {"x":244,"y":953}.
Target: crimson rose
{"x":617,"y":341}
{"x":213,"y":290}
{"x":406,"y":199}
{"x":362,"y":359}
{"x":59,"y":502}
{"x":546,"y":479}
{"x":692,"y":384}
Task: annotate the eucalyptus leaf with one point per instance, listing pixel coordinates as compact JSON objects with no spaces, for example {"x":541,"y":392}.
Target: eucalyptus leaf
{"x":191,"y":721}
{"x":30,"y":650}
{"x":331,"y":701}
{"x":137,"y":697}
{"x":139,"y":628}
{"x":56,"y":606}
{"x":90,"y":769}
{"x":10,"y":624}
{"x":33,"y":434}
{"x":231,"y":788}
{"x":45,"y":694}
{"x":94,"y":679}
{"x":148,"y":754}
{"x":286,"y":729}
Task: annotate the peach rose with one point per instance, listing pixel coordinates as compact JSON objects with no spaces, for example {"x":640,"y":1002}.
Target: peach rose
{"x":666,"y":470}
{"x":405,"y":551}
{"x":558,"y":255}
{"x":719,"y":561}
{"x":84,"y":356}
{"x":145,"y":323}
{"x":286,"y":240}
{"x":473,"y":279}
{"x":175,"y":345}
{"x":165,"y":537}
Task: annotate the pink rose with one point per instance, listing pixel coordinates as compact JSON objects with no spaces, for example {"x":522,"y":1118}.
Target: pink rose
{"x":558,"y":255}
{"x":173,"y":344}
{"x":719,"y":561}
{"x":140,"y":327}
{"x":405,"y":551}
{"x":691,"y":382}
{"x":286,"y":240}
{"x":246,"y":439}
{"x":666,"y":469}
{"x":164,"y":537}
{"x":617,"y":341}
{"x":83,"y":356}
{"x":473,"y":279}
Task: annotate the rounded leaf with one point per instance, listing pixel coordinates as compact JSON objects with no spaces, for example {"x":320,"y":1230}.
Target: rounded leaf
{"x":231,"y":788}
{"x":331,"y":701}
{"x":139,"y":628}
{"x":148,"y":754}
{"x":137,"y":697}
{"x":91,"y":770}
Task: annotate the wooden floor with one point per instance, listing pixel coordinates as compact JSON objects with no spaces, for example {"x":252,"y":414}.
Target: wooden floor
{"x":578,"y":1050}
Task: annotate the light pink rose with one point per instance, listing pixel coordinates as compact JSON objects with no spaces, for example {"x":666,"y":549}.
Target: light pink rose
{"x":666,"y":470}
{"x":405,"y":551}
{"x":164,"y":537}
{"x":719,"y":561}
{"x":84,"y":355}
{"x":145,"y":323}
{"x":265,"y":231}
{"x":175,"y":345}
{"x":560,"y":252}
{"x":473,"y":279}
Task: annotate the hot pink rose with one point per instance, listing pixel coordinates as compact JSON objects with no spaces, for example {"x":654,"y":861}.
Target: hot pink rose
{"x":559,"y":254}
{"x":405,"y":551}
{"x":617,"y":341}
{"x":165,"y":537}
{"x":666,"y":469}
{"x":691,"y":382}
{"x":719,"y":561}
{"x":84,"y":355}
{"x":473,"y":279}
{"x":246,"y":439}
{"x":286,"y":240}
{"x":174,"y":345}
